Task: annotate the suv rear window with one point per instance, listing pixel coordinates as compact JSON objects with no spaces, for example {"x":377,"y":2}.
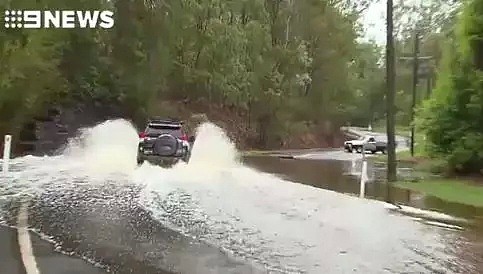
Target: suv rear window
{"x":156,"y":130}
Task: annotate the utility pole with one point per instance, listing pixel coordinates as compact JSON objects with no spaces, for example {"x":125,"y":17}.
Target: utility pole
{"x":390,"y":96}
{"x":425,"y":69}
{"x":415,"y":85}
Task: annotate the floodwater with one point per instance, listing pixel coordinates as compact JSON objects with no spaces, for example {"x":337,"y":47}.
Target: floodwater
{"x":340,"y":172}
{"x":344,"y":176}
{"x":218,"y":215}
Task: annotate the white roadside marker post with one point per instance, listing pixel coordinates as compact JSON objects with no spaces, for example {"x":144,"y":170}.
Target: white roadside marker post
{"x":6,"y":153}
{"x":364,"y":175}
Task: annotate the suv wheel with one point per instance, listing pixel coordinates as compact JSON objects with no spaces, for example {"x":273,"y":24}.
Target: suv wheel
{"x":186,"y":156}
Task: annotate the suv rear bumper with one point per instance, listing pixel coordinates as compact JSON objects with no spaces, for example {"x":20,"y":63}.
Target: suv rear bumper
{"x":155,"y":159}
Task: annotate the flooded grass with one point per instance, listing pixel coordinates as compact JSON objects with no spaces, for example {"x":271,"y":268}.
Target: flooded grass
{"x":453,"y":190}
{"x":418,"y":162}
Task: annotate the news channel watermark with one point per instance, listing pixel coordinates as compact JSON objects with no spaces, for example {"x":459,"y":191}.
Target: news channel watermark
{"x":59,"y":19}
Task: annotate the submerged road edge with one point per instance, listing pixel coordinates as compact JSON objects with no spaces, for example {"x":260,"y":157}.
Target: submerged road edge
{"x":25,"y":244}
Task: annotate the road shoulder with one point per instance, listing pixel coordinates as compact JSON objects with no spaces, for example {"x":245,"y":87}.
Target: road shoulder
{"x":52,"y":262}
{"x":48,"y":260}
{"x":11,"y":261}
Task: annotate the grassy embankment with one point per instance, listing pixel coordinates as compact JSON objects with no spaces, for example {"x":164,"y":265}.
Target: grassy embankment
{"x":452,"y":189}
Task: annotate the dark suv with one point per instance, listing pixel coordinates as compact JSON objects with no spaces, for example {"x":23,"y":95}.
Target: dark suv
{"x":164,"y":142}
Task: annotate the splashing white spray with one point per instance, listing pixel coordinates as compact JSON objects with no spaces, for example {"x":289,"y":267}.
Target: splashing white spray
{"x":98,"y":153}
{"x":213,"y":147}
{"x":109,"y":147}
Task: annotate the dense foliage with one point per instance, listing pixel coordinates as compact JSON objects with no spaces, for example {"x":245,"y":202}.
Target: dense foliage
{"x":282,"y":62}
{"x":452,"y":119}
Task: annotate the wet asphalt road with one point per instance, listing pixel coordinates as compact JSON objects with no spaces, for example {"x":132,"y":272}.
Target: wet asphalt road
{"x":48,"y":260}
{"x":11,"y":261}
{"x":104,"y":225}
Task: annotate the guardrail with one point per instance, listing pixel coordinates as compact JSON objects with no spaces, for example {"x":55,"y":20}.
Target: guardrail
{"x":7,"y":144}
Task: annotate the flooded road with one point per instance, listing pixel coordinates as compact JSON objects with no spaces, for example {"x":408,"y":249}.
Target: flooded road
{"x":216,"y":215}
{"x":342,"y":174}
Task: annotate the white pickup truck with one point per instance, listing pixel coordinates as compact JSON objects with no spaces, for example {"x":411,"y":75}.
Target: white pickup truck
{"x":370,"y":143}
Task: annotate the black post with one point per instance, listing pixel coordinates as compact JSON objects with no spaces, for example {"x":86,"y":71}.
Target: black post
{"x":390,"y":106}
{"x":415,"y":84}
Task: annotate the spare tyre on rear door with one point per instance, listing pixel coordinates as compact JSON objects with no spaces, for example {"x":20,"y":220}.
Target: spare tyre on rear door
{"x":164,"y":141}
{"x":166,"y":145}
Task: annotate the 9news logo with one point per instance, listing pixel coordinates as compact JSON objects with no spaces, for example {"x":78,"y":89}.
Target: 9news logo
{"x":64,"y":19}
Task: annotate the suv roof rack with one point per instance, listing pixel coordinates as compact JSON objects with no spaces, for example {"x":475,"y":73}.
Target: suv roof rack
{"x":165,"y":121}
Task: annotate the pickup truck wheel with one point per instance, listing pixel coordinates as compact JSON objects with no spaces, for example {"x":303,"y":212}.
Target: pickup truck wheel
{"x":348,"y":148}
{"x":383,"y":151}
{"x":359,"y":149}
{"x":373,"y":151}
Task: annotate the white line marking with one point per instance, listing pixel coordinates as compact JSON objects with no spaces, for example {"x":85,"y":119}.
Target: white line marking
{"x":24,"y":242}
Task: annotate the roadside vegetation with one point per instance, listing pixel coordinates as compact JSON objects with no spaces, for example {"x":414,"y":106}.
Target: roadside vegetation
{"x":452,"y":119}
{"x":266,"y":67}
{"x":449,"y":112}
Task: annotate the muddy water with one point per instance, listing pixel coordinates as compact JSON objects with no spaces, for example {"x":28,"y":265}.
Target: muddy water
{"x":343,"y":177}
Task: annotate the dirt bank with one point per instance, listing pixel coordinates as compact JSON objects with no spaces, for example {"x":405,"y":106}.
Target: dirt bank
{"x":50,"y":131}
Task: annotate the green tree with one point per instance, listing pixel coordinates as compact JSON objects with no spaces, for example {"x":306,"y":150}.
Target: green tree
{"x":453,"y":117}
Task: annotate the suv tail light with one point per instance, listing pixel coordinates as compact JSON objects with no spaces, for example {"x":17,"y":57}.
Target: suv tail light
{"x":142,"y":135}
{"x":184,"y":137}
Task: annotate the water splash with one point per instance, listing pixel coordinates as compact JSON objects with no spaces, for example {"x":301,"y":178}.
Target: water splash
{"x":106,"y":148}
{"x":213,"y":148}
{"x":254,"y":215}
